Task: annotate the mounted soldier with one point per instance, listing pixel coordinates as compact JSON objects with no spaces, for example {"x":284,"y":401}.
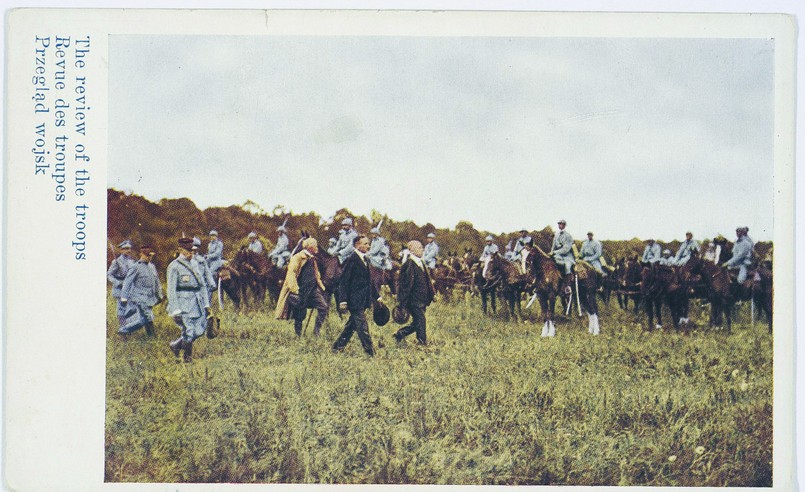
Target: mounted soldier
{"x":379,"y":251}
{"x":346,"y":236}
{"x":688,"y":248}
{"x":431,"y":251}
{"x":666,"y":258}
{"x":652,"y":253}
{"x":509,"y":252}
{"x":742,"y":252}
{"x":562,"y":252}
{"x":280,"y":254}
{"x":254,"y":243}
{"x":215,"y":253}
{"x":591,"y":251}
{"x":522,"y":242}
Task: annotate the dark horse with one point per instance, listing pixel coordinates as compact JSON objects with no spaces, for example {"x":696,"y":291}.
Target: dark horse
{"x":230,"y":283}
{"x":547,"y":285}
{"x":669,"y":284}
{"x":628,"y":276}
{"x":258,"y":276}
{"x":586,"y":285}
{"x":512,"y":282}
{"x":485,"y":288}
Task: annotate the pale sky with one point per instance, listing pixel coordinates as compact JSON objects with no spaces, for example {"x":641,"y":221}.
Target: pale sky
{"x":625,"y":137}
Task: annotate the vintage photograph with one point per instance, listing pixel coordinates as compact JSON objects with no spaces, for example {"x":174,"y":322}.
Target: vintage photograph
{"x":403,"y":259}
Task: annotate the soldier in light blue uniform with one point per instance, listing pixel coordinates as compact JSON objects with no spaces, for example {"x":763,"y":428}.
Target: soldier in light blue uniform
{"x":379,"y":251}
{"x":591,"y":251}
{"x":254,"y":243}
{"x":431,"y":251}
{"x":331,"y":246}
{"x":508,"y":253}
{"x":280,"y":254}
{"x":666,"y":258}
{"x":117,"y":274}
{"x":522,"y":241}
{"x":652,"y":253}
{"x":687,"y":249}
{"x":344,"y":247}
{"x":203,"y":267}
{"x":562,"y":249}
{"x":742,"y":252}
{"x":141,"y":291}
{"x":188,"y":302}
{"x":489,"y":249}
{"x":215,"y":253}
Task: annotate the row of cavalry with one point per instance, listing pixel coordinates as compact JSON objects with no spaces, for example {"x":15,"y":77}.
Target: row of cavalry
{"x":249,"y":277}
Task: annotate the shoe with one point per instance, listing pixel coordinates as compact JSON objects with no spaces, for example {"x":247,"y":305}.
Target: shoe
{"x":149,"y":329}
{"x":188,"y":351}
{"x":176,"y":346}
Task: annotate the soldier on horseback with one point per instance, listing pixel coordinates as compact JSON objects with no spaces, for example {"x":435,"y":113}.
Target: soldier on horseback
{"x":343,"y":247}
{"x":741,"y":255}
{"x":254,"y":243}
{"x":378,"y":253}
{"x":652,"y":253}
{"x":591,"y":251}
{"x":215,"y":253}
{"x":562,"y":253}
{"x":666,"y":258}
{"x":431,"y":251}
{"x":522,"y":241}
{"x":280,"y":254}
{"x":687,"y":249}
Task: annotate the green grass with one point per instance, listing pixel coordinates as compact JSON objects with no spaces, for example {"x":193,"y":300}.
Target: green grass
{"x":487,"y":402}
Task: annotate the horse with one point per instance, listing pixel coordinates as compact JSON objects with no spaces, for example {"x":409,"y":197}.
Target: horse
{"x":586,"y":285}
{"x":230,"y":282}
{"x":257,"y":275}
{"x":547,"y":285}
{"x":512,"y":282}
{"x":763,"y":291}
{"x":485,"y":288}
{"x":670,"y":284}
{"x":443,"y":281}
{"x":627,"y":276}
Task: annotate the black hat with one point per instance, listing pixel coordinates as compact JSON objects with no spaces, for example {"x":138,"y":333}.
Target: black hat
{"x":400,"y":315}
{"x":381,"y":314}
{"x":186,"y":243}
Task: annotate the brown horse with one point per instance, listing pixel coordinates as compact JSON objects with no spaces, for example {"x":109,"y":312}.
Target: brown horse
{"x":627,"y":276}
{"x":763,"y":291}
{"x":547,"y":285}
{"x":487,"y":290}
{"x":230,"y":283}
{"x":258,"y":276}
{"x":512,"y":282}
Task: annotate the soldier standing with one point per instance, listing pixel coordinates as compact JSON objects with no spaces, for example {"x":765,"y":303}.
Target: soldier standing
{"x":687,"y":249}
{"x":431,"y":251}
{"x":415,"y":293}
{"x":116,"y":274}
{"x":591,"y":251}
{"x":188,"y":302}
{"x":215,"y":253}
{"x":141,"y":291}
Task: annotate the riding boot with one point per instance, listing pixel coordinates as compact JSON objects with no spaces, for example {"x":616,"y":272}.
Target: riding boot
{"x":149,"y":329}
{"x":188,"y":351}
{"x":176,"y":346}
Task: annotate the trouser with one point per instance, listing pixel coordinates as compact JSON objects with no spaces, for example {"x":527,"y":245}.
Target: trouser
{"x":192,"y":326}
{"x":143,"y":315}
{"x":742,"y":272}
{"x":357,"y":322}
{"x":322,"y":308}
{"x":418,"y":325}
{"x":597,"y":265}
{"x":121,"y":312}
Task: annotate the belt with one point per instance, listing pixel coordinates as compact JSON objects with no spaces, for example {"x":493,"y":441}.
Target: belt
{"x":188,"y":289}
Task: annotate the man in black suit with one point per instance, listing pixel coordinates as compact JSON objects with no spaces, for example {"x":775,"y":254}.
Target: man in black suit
{"x":415,"y":293}
{"x":355,"y":293}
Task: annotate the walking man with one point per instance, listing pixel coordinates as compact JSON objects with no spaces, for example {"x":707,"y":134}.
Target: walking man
{"x":355,"y":294}
{"x":117,"y":274}
{"x":188,"y":302}
{"x":415,"y":293}
{"x":141,"y":291}
{"x":303,"y":289}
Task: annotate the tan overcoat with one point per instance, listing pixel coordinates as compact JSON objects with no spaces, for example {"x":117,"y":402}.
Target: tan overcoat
{"x":290,"y":286}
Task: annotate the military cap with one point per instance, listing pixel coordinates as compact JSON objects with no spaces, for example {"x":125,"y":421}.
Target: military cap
{"x":213,"y":232}
{"x":590,"y":233}
{"x":125,"y":244}
{"x":196,"y":243}
{"x":186,"y":243}
{"x":562,"y":221}
{"x":490,"y":238}
{"x":252,"y":234}
{"x":667,"y":252}
{"x":524,"y":230}
{"x":346,"y":221}
{"x":432,"y":235}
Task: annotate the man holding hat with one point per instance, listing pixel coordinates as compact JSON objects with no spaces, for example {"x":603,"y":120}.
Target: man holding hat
{"x":415,"y":293}
{"x":346,"y":238}
{"x":117,"y":272}
{"x":215,"y":253}
{"x":431,"y":251}
{"x":741,"y":254}
{"x":356,"y":291}
{"x":591,"y":251}
{"x":687,"y":249}
{"x":141,"y":291}
{"x":188,"y":302}
{"x":562,"y":248}
{"x":254,"y":243}
{"x":303,"y":289}
{"x":280,"y":254}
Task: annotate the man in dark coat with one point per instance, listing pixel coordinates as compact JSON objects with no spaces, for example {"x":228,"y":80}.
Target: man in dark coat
{"x":356,"y":293}
{"x":415,"y":293}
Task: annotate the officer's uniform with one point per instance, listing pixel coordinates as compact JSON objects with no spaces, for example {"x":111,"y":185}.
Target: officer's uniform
{"x":344,"y":247}
{"x":203,"y":267}
{"x":520,"y":244}
{"x":188,"y":301}
{"x":489,"y":250}
{"x":331,"y":244}
{"x":280,"y":254}
{"x":215,"y":254}
{"x":741,"y":256}
{"x":141,"y":290}
{"x":666,"y":259}
{"x":255,"y":244}
{"x":652,"y":253}
{"x":430,"y":252}
{"x":562,"y":249}
{"x":117,"y":274}
{"x":686,"y":250}
{"x":378,"y":254}
{"x":591,"y":251}
{"x":509,"y":254}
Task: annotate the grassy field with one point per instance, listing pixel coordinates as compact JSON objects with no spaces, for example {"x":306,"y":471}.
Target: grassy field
{"x":487,"y":402}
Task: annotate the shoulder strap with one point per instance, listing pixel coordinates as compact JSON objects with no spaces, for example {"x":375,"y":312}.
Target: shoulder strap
{"x":190,"y":270}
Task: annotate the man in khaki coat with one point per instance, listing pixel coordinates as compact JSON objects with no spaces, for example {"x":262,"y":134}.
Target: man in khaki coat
{"x":303,"y":289}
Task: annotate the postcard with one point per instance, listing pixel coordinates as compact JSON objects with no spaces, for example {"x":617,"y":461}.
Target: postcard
{"x":272,"y":248}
